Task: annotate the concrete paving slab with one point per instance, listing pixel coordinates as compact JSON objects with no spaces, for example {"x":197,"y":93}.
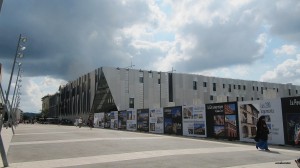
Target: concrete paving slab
{"x":50,"y":146}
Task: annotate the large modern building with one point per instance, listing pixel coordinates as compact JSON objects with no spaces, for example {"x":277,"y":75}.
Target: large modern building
{"x":115,"y":89}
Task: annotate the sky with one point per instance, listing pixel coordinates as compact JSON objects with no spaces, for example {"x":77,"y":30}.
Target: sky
{"x":240,"y":39}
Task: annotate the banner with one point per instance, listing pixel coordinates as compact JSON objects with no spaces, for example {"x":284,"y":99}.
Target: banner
{"x":173,"y":120}
{"x":122,"y":120}
{"x":250,"y":111}
{"x":114,"y":120}
{"x":291,"y":115}
{"x":156,"y":121}
{"x":131,"y":120}
{"x":143,"y":120}
{"x":107,"y":120}
{"x":222,"y":120}
{"x":194,"y":121}
{"x":99,"y":120}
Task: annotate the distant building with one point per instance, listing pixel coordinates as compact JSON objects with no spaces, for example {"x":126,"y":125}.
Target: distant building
{"x":45,"y":103}
{"x":110,"y":89}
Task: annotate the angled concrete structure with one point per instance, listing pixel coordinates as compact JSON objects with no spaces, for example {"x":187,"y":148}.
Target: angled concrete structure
{"x":110,"y":89}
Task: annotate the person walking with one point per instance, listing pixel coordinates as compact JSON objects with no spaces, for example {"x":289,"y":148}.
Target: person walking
{"x":262,"y":132}
{"x":79,"y":122}
{"x":91,"y":122}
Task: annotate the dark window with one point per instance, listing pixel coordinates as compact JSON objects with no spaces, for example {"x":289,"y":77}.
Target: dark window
{"x":170,"y":87}
{"x":296,"y":91}
{"x":289,"y":92}
{"x":204,"y":84}
{"x":214,"y":86}
{"x":227,"y":98}
{"x":257,"y":98}
{"x":244,"y":87}
{"x":277,"y":89}
{"x":131,"y":102}
{"x":253,"y":88}
{"x":257,"y":88}
{"x":239,"y":87}
{"x":229,"y":88}
{"x":233,"y":86}
{"x":262,"y":90}
{"x":237,"y":98}
{"x":211,"y":97}
{"x":223,"y":86}
{"x":251,"y":98}
{"x":242,"y":98}
{"x":195,"y":85}
{"x":158,"y":81}
{"x":141,"y":79}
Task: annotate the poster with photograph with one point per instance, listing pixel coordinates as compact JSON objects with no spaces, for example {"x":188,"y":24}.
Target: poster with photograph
{"x":156,"y":121}
{"x":194,"y":121}
{"x":122,"y":120}
{"x":99,"y":120}
{"x":114,"y":120}
{"x":107,"y":120}
{"x":131,"y":120}
{"x":291,"y":115}
{"x":143,"y":120}
{"x":222,"y":120}
{"x":249,"y":113}
{"x":173,"y":120}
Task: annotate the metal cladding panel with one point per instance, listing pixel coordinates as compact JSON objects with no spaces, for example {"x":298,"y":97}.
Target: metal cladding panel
{"x":92,"y":88}
{"x":112,"y":76}
{"x":164,"y":89}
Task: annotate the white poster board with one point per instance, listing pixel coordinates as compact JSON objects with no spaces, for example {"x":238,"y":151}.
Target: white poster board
{"x":194,"y":121}
{"x":114,"y":120}
{"x":131,"y":120}
{"x":156,"y":120}
{"x":250,"y":111}
{"x":99,"y":120}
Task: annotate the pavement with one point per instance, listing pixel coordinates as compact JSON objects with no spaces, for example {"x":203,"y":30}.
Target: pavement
{"x":48,"y":146}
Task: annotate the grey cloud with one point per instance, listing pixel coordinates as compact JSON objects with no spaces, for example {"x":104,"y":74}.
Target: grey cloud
{"x":283,"y":17}
{"x":222,"y":44}
{"x":58,"y":32}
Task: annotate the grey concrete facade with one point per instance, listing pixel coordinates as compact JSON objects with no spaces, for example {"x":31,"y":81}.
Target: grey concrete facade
{"x":108,"y":89}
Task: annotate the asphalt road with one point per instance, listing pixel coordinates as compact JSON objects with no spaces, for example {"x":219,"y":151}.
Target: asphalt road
{"x":45,"y":146}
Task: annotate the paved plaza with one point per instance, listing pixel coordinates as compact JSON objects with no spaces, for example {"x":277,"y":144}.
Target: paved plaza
{"x":45,"y":146}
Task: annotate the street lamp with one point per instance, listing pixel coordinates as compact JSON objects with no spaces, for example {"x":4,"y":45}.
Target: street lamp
{"x":20,"y":48}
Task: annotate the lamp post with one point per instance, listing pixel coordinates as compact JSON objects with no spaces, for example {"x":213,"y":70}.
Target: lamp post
{"x":8,"y":106}
{"x":16,"y":94}
{"x":18,"y":54}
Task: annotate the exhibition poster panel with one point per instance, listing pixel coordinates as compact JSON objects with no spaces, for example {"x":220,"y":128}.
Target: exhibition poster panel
{"x":122,"y":120}
{"x":143,"y":120}
{"x":194,"y":121}
{"x":99,"y":120}
{"x":222,"y":120}
{"x":250,"y":112}
{"x":114,"y":119}
{"x":156,"y":121}
{"x":291,"y":121}
{"x":173,"y":120}
{"x":131,"y":120}
{"x":271,"y":109}
{"x":107,"y":120}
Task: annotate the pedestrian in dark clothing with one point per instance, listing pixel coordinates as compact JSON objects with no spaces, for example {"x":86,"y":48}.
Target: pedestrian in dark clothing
{"x":262,"y":132}
{"x":90,"y":122}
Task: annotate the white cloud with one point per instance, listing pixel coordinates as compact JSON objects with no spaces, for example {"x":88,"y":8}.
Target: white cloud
{"x":287,"y":72}
{"x":285,"y":50}
{"x":35,"y":88}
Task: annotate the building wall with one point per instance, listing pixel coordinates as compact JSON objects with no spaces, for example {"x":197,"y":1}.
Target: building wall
{"x":151,"y":89}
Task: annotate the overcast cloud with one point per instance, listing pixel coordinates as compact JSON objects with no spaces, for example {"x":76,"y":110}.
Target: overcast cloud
{"x":250,"y":39}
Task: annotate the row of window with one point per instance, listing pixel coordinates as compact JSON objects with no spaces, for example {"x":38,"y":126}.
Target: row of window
{"x":239,"y":87}
{"x":237,"y":98}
